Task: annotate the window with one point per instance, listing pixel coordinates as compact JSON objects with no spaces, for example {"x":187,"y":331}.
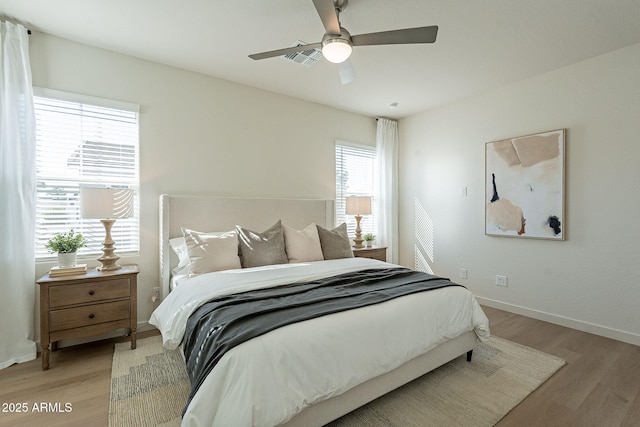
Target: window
{"x":356,"y":175}
{"x":82,"y":140}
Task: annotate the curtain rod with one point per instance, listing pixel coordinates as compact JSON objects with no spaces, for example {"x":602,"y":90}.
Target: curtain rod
{"x":28,"y":30}
{"x":16,"y":23}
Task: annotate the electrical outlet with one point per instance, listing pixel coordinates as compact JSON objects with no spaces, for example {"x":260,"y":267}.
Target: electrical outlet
{"x":501,"y":280}
{"x":463,"y":273}
{"x":155,"y":296}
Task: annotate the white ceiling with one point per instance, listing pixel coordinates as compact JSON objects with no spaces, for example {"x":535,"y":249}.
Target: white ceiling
{"x":481,"y":45}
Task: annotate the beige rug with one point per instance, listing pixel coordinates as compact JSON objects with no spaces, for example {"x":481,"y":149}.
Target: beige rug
{"x":149,"y":387}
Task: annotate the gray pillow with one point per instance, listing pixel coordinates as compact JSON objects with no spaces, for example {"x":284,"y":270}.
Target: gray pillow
{"x":335,"y":243}
{"x":266,"y":248}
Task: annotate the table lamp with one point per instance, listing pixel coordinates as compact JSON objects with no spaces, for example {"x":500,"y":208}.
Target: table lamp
{"x":108,"y":204}
{"x":358,"y":206}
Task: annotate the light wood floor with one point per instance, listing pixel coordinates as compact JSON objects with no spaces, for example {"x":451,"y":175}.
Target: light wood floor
{"x":599,"y":386}
{"x":79,"y":375}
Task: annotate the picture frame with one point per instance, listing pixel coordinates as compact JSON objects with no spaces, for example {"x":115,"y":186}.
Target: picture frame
{"x":524,"y":186}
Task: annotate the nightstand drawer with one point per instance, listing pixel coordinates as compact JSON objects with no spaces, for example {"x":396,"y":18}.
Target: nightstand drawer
{"x":88,"y":315}
{"x":82,"y":293}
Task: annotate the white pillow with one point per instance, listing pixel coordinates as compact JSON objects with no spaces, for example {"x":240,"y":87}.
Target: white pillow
{"x":302,"y":245}
{"x":179,"y":246}
{"x":211,"y":251}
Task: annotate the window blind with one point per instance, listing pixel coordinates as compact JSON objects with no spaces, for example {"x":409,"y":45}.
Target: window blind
{"x":83,"y":141}
{"x":356,"y":176}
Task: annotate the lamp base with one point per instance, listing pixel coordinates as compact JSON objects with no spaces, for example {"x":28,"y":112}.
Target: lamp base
{"x":108,"y":264}
{"x":109,"y":259}
{"x":358,"y":240}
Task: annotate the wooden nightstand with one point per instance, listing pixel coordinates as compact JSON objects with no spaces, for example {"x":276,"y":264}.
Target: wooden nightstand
{"x":374,"y":252}
{"x":85,"y":305}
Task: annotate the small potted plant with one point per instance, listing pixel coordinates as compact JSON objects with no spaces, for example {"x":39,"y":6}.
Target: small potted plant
{"x":66,"y":246}
{"x":369,"y":238}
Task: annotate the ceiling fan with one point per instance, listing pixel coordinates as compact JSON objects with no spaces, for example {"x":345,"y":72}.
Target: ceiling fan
{"x":337,"y":43}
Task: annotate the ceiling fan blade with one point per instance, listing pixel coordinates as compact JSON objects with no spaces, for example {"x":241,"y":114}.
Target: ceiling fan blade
{"x":327,"y":11}
{"x":285,"y":51}
{"x":405,"y":36}
{"x":347,"y":72}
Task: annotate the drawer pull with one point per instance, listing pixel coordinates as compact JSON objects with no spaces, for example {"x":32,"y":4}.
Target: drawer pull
{"x":91,"y":316}
{"x":91,"y":292}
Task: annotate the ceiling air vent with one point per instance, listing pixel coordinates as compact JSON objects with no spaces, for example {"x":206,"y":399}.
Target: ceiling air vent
{"x":307,"y":57}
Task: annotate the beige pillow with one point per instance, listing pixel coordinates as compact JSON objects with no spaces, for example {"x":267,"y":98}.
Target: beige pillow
{"x":302,"y":245}
{"x":211,"y":251}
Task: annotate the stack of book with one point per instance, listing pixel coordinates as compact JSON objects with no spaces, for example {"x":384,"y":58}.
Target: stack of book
{"x":64,"y":271}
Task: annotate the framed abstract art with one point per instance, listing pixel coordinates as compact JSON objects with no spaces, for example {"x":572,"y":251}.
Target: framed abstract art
{"x":524,"y":186}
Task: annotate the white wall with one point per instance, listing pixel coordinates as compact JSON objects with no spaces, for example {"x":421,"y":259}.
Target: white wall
{"x":591,"y":281}
{"x":202,"y":135}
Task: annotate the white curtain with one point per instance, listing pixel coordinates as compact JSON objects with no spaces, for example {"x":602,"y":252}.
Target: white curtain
{"x":387,"y":155}
{"x":17,"y":198}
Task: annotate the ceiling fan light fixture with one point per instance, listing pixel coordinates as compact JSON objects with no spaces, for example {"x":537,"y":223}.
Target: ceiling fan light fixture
{"x":336,"y":50}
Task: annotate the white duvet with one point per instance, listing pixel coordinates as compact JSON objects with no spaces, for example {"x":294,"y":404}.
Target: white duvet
{"x":269,"y":379}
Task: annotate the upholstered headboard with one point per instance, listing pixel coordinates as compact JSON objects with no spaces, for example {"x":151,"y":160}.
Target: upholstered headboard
{"x":224,"y":213}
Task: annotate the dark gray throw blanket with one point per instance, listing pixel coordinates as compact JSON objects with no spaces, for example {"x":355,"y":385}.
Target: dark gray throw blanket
{"x":228,"y":321}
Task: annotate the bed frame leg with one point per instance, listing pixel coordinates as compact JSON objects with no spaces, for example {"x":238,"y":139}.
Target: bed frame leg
{"x":469,"y":354}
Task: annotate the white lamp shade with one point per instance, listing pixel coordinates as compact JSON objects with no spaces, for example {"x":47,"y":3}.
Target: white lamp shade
{"x":358,"y":205}
{"x":336,"y":50}
{"x":106,"y":202}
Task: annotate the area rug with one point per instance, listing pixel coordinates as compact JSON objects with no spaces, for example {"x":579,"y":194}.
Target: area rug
{"x":149,"y":387}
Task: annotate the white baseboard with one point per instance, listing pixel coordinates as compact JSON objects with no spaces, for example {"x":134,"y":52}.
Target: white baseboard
{"x":591,"y":328}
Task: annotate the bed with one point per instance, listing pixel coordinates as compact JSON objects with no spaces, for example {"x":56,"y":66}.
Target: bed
{"x":319,"y":367}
